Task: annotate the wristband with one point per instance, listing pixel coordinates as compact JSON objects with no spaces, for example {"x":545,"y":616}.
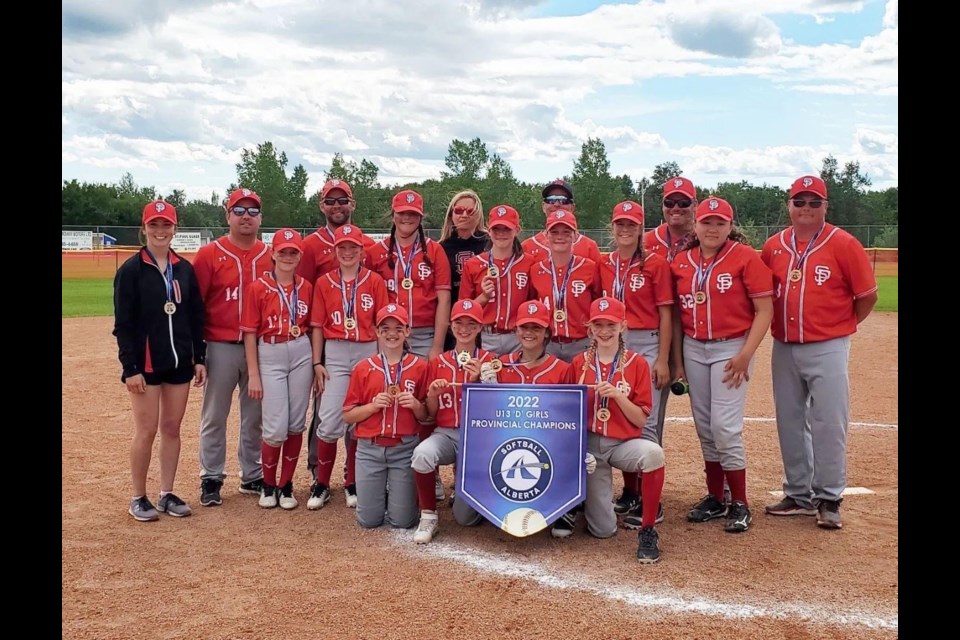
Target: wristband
{"x":317,"y":364}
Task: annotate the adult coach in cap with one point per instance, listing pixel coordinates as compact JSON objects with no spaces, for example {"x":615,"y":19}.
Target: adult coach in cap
{"x":679,"y":204}
{"x":558,"y":196}
{"x":337,"y":206}
{"x":225,"y":268}
{"x":824,"y":287}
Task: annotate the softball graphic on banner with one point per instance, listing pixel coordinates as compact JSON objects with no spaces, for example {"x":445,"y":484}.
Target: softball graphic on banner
{"x":521,"y":454}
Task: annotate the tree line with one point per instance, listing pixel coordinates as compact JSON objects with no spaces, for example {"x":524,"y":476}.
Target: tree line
{"x":470,"y":165}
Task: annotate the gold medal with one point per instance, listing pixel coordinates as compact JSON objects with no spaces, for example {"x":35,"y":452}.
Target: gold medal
{"x":407,"y":283}
{"x":463,"y":357}
{"x":603,"y":414}
{"x":393,"y":391}
{"x":493,"y":271}
{"x":559,"y":315}
{"x":699,"y":297}
{"x":495,"y":365}
{"x":350,"y":324}
{"x":295,"y":331}
{"x":796,"y":275}
{"x":169,"y":308}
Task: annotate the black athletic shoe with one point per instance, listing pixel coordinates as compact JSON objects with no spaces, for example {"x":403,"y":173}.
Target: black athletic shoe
{"x":648,"y":549}
{"x":709,"y":508}
{"x":210,"y":492}
{"x":627,"y":500}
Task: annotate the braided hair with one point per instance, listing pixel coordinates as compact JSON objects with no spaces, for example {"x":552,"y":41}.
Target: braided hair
{"x":393,"y":243}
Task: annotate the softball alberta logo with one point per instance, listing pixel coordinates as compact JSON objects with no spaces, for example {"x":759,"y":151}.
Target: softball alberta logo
{"x":521,"y":470}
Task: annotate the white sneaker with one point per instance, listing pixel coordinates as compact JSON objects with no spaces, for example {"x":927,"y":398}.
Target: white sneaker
{"x":319,"y":496}
{"x":268,"y":497}
{"x":439,"y":490}
{"x":287,"y":501}
{"x":429,"y":524}
{"x":350,"y":495}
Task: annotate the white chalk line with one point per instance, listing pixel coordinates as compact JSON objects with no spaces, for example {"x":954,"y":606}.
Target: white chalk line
{"x":859,"y":425}
{"x":650,"y":597}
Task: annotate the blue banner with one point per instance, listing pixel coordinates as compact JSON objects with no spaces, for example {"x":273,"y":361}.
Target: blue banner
{"x":522,"y":447}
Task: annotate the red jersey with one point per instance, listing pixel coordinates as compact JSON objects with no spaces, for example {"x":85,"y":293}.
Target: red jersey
{"x":538,"y":247}
{"x":332,"y":298}
{"x":734,"y":276}
{"x":661,"y":242}
{"x":267,"y":306}
{"x":641,"y":288}
{"x":224,"y":272}
{"x":553,"y":370}
{"x":632,"y":377}
{"x":582,"y":287}
{"x":421,"y":300}
{"x":818,"y":306}
{"x":512,"y":287}
{"x":446,"y":367}
{"x":368,"y":379}
{"x":319,"y":256}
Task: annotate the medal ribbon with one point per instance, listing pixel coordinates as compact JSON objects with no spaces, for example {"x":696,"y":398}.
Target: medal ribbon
{"x":167,"y":274}
{"x":806,"y":252}
{"x":407,"y":266}
{"x":349,"y":305}
{"x":620,"y":284}
{"x":386,"y":370}
{"x":327,"y":233}
{"x":613,"y":370}
{"x":703,"y":274}
{"x":560,"y":293}
{"x":291,"y":303}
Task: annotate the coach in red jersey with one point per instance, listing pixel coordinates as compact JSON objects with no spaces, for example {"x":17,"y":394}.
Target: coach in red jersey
{"x":337,"y":206}
{"x":679,"y":204}
{"x":558,"y":196}
{"x":823,"y":288}
{"x":225,"y":268}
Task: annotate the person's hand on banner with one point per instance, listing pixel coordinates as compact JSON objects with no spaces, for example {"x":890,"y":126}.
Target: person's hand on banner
{"x":591,"y":462}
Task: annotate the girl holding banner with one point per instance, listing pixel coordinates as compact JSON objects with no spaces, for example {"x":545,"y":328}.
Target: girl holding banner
{"x":618,"y":405}
{"x":448,"y":372}
{"x":531,"y":364}
{"x":385,"y":403}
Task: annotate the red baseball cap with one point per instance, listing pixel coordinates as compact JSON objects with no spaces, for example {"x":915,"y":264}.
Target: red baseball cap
{"x":287,"y":239}
{"x":563,"y":184}
{"x":628,"y":210}
{"x":714,"y":206}
{"x":348,"y":233}
{"x":813,"y":184}
{"x":533,"y":312}
{"x":159,"y":209}
{"x":467,"y":309}
{"x":335,"y":183}
{"x":608,"y":309}
{"x":562,"y":217}
{"x":408,"y":200}
{"x":679,"y":185}
{"x":392,"y":310}
{"x":240,"y":194}
{"x":505,"y":216}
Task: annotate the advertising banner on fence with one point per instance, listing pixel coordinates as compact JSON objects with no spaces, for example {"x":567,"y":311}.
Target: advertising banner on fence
{"x":76,"y":240}
{"x":188,"y":241}
{"x":521,"y":454}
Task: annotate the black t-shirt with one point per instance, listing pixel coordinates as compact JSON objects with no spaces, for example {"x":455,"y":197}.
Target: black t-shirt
{"x":458,"y":251}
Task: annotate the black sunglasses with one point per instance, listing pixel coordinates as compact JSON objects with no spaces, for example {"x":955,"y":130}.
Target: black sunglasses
{"x":332,"y":201}
{"x":558,"y":200}
{"x":814,"y":204}
{"x":253,"y":212}
{"x":670,"y":204}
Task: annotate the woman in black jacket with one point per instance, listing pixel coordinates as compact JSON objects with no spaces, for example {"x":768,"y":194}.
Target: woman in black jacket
{"x":159,"y":328}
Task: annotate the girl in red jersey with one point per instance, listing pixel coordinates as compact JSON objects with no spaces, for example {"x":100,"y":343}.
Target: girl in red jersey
{"x":275,"y":319}
{"x":641,"y":281}
{"x":345,"y":304}
{"x":417,"y":273}
{"x":619,"y":400}
{"x":499,"y":280}
{"x":385,"y":402}
{"x":159,"y":318}
{"x":447,"y":371}
{"x":724,"y":295}
{"x":531,"y":364}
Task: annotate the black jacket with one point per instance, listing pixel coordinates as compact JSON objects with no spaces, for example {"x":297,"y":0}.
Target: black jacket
{"x":458,"y":251}
{"x":140,"y":323}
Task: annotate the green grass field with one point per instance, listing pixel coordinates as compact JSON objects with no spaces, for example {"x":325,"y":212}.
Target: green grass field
{"x":95,"y":297}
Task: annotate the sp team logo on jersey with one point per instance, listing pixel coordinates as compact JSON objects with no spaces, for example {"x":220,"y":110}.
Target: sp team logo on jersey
{"x":637,"y":281}
{"x":302,"y":308}
{"x":624,"y":387}
{"x":521,"y":470}
{"x":521,"y":280}
{"x":366,"y":301}
{"x":821,"y":273}
{"x":578,"y":287}
{"x":724,"y":282}
{"x":423,"y":270}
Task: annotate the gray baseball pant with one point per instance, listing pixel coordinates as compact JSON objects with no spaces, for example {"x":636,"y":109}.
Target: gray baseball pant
{"x":376,"y":468}
{"x":286,"y":374}
{"x":633,"y":456}
{"x":421,"y":340}
{"x":438,"y":449}
{"x":566,"y":351}
{"x":647,"y":343}
{"x":499,"y":343}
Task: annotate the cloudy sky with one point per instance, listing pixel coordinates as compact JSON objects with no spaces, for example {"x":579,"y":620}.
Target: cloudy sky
{"x":755,"y":90}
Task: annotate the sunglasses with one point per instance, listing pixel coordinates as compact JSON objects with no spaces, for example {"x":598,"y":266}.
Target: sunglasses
{"x":253,"y":212}
{"x":332,"y":201}
{"x":558,"y":200}
{"x":670,"y":204}
{"x":462,"y":211}
{"x":813,"y":204}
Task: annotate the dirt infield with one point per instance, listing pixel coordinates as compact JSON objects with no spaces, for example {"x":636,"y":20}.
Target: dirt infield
{"x":238,"y":571}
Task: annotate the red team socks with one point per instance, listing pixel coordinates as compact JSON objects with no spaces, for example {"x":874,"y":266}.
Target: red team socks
{"x":738,"y":484}
{"x":326,"y":456}
{"x":715,"y":479}
{"x":631,"y":482}
{"x":652,"y":488}
{"x":426,"y":490}
{"x":269,"y":458}
{"x":349,"y":469}
{"x":291,"y":453}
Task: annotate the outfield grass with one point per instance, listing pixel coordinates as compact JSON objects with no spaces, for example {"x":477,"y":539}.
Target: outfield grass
{"x":95,"y":297}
